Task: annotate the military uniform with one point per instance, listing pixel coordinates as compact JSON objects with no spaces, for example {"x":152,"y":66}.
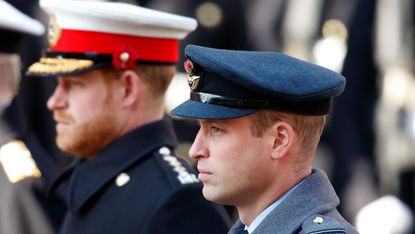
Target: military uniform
{"x":138,"y":185}
{"x":310,"y":208}
{"x":135,"y":184}
{"x":24,"y":207}
{"x":229,"y":84}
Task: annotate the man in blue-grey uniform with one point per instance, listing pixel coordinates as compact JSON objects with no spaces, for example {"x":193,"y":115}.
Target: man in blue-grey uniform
{"x":24,"y":207}
{"x":114,"y":62}
{"x":261,"y":115}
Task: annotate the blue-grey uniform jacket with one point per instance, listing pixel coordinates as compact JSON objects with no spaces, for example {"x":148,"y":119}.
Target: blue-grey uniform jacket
{"x":137,"y":185}
{"x":310,"y":208}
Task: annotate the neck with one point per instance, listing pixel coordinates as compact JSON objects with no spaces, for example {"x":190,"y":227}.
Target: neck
{"x":284,"y":182}
{"x":141,"y":117}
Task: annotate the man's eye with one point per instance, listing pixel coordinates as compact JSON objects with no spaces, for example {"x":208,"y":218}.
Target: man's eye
{"x":215,"y":129}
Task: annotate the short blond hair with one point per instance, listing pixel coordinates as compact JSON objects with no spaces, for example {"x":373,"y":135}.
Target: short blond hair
{"x":307,"y":127}
{"x":9,"y":72}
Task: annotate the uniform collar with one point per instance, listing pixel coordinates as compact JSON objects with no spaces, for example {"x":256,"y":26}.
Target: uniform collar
{"x":257,"y":221}
{"x":288,"y":216}
{"x":88,"y":176}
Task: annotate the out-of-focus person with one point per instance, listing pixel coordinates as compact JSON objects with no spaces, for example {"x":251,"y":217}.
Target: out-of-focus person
{"x":24,"y":207}
{"x":114,"y":62}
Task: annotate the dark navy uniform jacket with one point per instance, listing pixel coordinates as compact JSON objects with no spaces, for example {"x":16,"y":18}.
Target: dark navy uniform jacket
{"x":137,"y":185}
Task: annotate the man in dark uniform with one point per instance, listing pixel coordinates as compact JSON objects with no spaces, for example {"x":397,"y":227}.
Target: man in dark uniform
{"x":24,"y":207}
{"x":261,"y":115}
{"x":114,"y":62}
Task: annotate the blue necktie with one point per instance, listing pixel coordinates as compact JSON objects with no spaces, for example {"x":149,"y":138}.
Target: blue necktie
{"x":238,"y":228}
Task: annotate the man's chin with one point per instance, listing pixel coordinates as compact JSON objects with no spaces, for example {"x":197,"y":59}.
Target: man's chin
{"x":67,"y":145}
{"x":210,"y":195}
{"x":83,"y":146}
{"x":88,"y":138}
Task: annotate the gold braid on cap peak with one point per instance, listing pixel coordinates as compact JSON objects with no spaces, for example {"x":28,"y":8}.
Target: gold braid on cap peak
{"x":59,"y":65}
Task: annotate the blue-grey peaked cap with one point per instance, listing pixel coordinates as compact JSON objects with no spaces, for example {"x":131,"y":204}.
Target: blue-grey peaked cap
{"x":232,"y":84}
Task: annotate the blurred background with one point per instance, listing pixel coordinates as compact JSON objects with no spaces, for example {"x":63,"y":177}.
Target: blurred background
{"x":368,"y":147}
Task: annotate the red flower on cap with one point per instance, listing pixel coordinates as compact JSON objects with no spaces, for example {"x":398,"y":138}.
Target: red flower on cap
{"x":188,"y":66}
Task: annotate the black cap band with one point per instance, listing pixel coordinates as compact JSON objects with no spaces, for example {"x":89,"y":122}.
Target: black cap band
{"x":321,"y":107}
{"x":97,"y":58}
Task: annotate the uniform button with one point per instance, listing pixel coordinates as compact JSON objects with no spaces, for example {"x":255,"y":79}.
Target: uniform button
{"x":124,"y":57}
{"x":164,"y":150}
{"x":122,"y":179}
{"x":318,"y":220}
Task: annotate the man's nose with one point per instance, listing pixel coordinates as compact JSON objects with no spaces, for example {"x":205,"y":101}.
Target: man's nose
{"x":198,"y":148}
{"x":58,"y":98}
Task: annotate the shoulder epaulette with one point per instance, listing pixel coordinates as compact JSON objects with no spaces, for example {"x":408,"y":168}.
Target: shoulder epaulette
{"x":320,"y":224}
{"x":175,"y":167}
{"x":17,"y":161}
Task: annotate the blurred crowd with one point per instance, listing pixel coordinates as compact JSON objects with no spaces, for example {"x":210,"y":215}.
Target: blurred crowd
{"x":368,"y":145}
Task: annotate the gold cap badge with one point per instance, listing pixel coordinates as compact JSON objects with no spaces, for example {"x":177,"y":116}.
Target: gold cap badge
{"x":54,"y":32}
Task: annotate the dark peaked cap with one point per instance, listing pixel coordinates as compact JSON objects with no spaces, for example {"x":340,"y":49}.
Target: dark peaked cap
{"x":231,"y":84}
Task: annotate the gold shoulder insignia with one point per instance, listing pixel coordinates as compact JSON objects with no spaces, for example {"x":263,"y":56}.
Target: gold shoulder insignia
{"x":17,"y":161}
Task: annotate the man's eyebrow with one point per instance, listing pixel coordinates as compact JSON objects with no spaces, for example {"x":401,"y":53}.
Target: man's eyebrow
{"x":205,"y":121}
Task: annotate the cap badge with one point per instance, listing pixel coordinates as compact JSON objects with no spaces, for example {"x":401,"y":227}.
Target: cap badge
{"x":193,"y":81}
{"x":54,"y":32}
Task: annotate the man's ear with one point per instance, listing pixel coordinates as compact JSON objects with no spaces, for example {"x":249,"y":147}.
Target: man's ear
{"x":131,"y":87}
{"x":283,"y":139}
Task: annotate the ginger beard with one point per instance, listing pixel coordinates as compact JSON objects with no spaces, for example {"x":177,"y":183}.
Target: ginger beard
{"x":86,"y":139}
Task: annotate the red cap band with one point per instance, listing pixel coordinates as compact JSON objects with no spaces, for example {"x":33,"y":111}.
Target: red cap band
{"x":138,"y":48}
